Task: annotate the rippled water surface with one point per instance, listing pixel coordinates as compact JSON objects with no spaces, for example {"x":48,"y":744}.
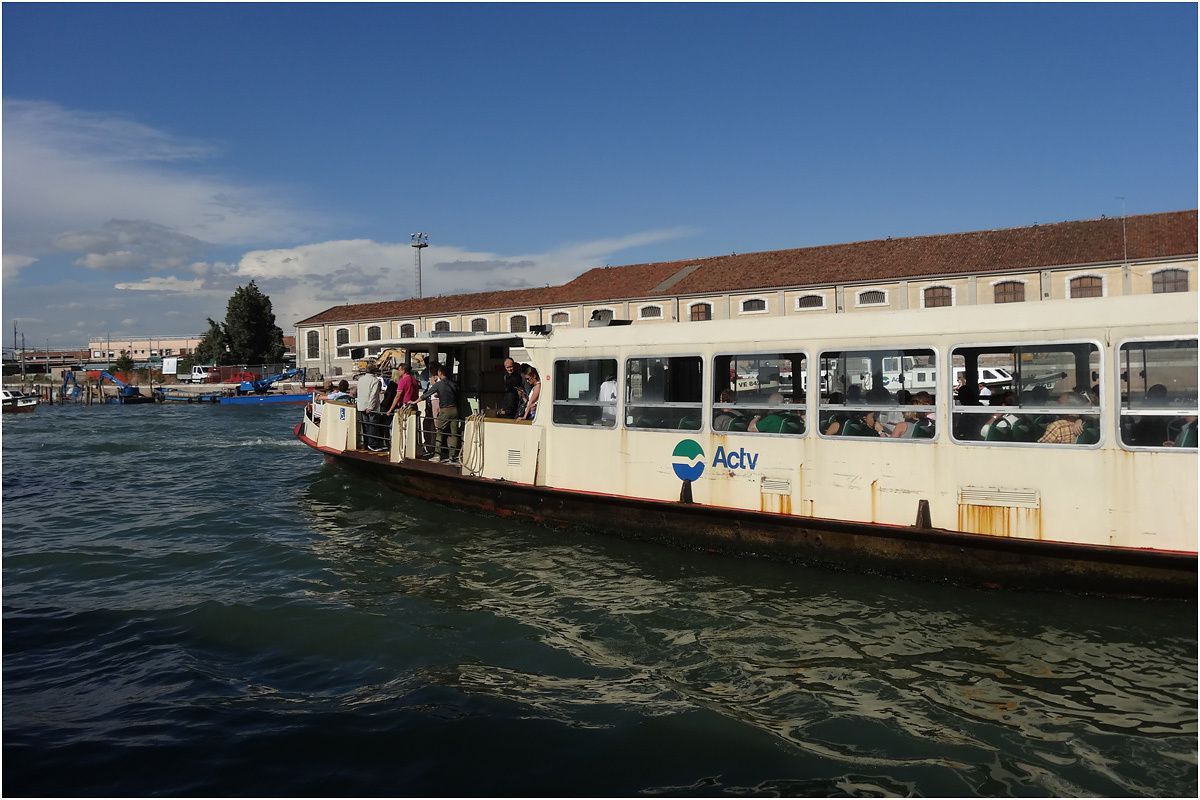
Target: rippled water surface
{"x":194,"y":603}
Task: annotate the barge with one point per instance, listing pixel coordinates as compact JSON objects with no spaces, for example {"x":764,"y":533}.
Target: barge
{"x":1077,"y":473}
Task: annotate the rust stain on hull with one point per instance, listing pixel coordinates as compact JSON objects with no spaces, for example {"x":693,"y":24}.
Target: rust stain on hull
{"x":1004,"y":521}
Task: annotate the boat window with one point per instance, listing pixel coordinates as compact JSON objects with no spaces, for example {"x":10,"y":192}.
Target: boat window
{"x":585,"y":392}
{"x":1158,"y":395}
{"x":664,"y":393}
{"x":879,"y":394}
{"x":759,"y":393}
{"x":1046,"y":394}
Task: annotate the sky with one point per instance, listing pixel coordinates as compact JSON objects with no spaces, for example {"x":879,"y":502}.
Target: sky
{"x":155,"y":157}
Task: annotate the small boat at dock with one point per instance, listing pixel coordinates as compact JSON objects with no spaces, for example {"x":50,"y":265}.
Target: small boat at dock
{"x":17,"y":402}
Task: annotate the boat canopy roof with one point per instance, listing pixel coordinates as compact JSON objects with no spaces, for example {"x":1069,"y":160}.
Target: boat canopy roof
{"x":440,"y":338}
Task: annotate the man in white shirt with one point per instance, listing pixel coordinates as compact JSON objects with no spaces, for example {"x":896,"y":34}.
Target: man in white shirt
{"x":370,"y":393}
{"x":985,"y":394}
{"x":369,"y":390}
{"x":608,"y":394}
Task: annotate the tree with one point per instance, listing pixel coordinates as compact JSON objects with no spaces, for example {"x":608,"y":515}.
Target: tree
{"x":250,"y":330}
{"x":249,"y":334}
{"x":212,"y":348}
{"x":124,"y":363}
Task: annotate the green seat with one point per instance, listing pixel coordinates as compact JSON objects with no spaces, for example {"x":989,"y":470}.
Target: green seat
{"x":689,"y":423}
{"x":999,"y":431}
{"x":924,"y":430}
{"x":793,"y":425}
{"x":1187,"y":436}
{"x":855,"y":428}
{"x":1027,"y":430}
{"x":1089,"y":435}
{"x":738,"y":424}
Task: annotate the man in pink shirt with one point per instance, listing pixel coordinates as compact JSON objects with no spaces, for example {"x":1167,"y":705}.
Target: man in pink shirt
{"x":406,"y":389}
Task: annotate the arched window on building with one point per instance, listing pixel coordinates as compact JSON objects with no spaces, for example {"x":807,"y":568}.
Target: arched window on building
{"x":518,"y":323}
{"x":1087,"y":286}
{"x":1170,"y":280}
{"x":1009,"y":292}
{"x":872,"y":297}
{"x":810,"y":301}
{"x":650,"y":312}
{"x":937,"y":296}
{"x":313,"y":340}
{"x":342,"y":337}
{"x":408,"y":330}
{"x":560,"y":318}
{"x":700,"y":312}
{"x":374,"y":333}
{"x":441,"y":325}
{"x":753,"y":305}
{"x":479,"y":325}
{"x":602,"y":315}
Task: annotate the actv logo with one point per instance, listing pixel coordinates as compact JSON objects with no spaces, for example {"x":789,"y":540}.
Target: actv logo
{"x":688,"y":460}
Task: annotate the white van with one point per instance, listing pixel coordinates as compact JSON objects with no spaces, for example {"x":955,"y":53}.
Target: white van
{"x":200,"y":374}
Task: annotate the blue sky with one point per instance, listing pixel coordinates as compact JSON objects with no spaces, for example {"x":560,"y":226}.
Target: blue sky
{"x":157,"y":156}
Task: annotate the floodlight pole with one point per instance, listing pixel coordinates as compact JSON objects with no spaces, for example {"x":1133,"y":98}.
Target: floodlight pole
{"x":419,"y":242}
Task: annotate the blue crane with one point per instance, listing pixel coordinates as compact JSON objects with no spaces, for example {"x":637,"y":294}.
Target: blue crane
{"x":69,"y":379}
{"x":125,"y":393}
{"x":263,"y":385}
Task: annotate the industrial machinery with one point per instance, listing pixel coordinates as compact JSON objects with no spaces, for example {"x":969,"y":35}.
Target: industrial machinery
{"x":387,"y":360}
{"x":263,"y":385}
{"x":126,"y":394}
{"x":74,"y":391}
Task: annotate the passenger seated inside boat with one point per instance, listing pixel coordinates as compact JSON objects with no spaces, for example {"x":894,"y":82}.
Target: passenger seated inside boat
{"x":831,"y":422}
{"x":1185,"y":435}
{"x":863,"y":423}
{"x":1151,"y":430}
{"x":916,"y":424}
{"x":342,"y":393}
{"x":775,"y":419}
{"x":1068,"y":428}
{"x":319,"y":398}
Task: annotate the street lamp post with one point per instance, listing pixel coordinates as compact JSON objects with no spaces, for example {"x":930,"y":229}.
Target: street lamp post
{"x":419,"y":242}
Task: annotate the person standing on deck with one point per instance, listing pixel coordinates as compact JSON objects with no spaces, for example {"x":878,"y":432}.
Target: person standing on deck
{"x":513,"y":388}
{"x":369,"y":390}
{"x":446,"y":393}
{"x":406,"y":388}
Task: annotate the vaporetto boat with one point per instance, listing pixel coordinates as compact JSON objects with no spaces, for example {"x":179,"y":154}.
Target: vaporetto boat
{"x":1080,"y":474}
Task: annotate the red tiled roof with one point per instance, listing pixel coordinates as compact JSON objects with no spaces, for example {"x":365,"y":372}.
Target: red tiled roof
{"x":1038,"y":246}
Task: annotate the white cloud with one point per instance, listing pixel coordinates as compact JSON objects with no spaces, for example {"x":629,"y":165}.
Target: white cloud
{"x":14,"y":263}
{"x":309,"y":278}
{"x":162,"y":284}
{"x":72,"y":170}
{"x":131,"y":245}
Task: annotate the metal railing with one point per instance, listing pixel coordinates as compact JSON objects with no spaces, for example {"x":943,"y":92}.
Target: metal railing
{"x":438,"y":438}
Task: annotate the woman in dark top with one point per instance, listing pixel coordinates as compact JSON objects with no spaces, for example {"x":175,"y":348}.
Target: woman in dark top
{"x":389,"y":394}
